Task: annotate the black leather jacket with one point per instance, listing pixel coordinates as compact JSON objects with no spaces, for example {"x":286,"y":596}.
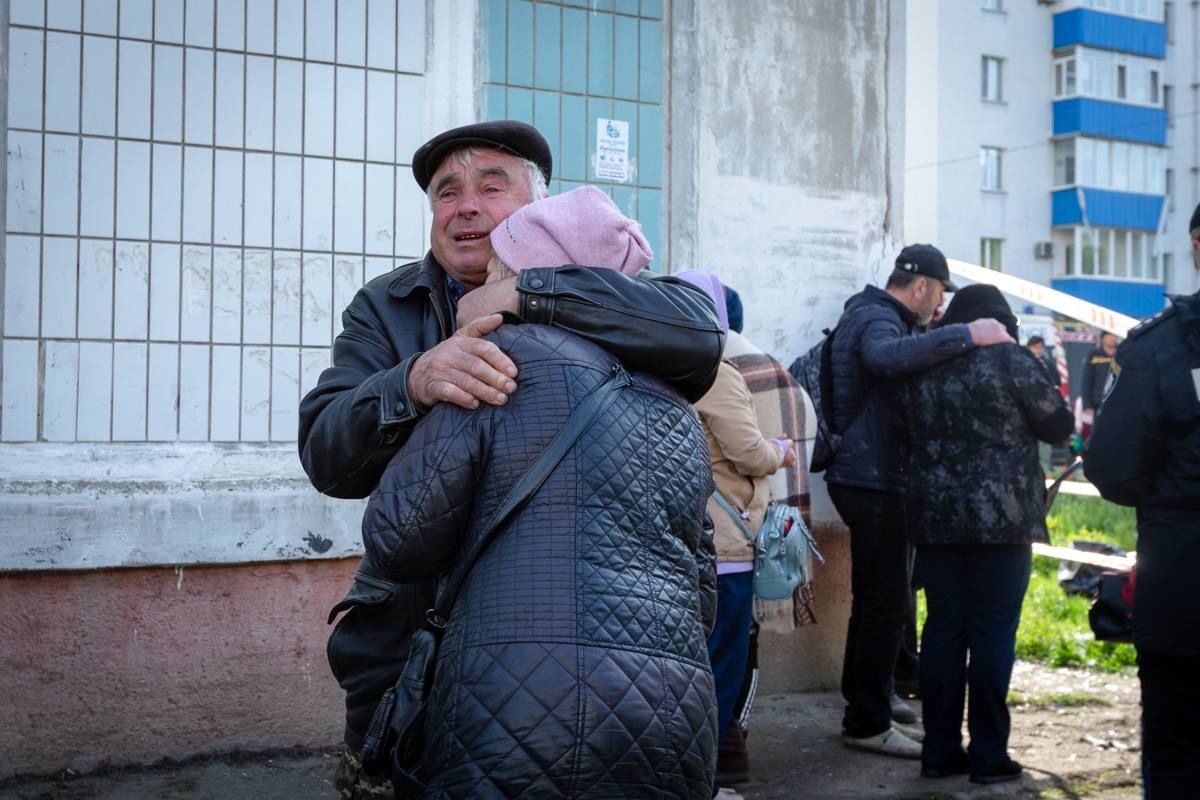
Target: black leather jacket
{"x":574,"y":661}
{"x":359,"y":413}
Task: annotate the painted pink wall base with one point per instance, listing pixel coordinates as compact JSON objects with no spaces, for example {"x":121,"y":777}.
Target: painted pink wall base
{"x":134,"y":665}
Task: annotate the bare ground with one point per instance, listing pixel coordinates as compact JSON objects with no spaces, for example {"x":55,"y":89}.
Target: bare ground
{"x":1075,"y":731}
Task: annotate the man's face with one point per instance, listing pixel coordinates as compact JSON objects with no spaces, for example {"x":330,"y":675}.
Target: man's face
{"x":929,"y":295}
{"x":1108,"y":343}
{"x":1038,"y":349}
{"x":468,"y":202}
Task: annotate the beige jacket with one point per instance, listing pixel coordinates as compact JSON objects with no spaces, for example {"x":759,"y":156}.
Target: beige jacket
{"x":741,"y":460}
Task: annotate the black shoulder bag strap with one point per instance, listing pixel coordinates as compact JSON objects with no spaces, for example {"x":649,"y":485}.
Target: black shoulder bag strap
{"x":582,"y":418}
{"x":395,"y":728}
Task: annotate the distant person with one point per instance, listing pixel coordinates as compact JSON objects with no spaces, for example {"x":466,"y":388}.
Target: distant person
{"x":975,"y":504}
{"x":1037,"y":346}
{"x":1095,"y":375}
{"x":742,"y":459}
{"x":780,"y":406}
{"x":1145,"y":452}
{"x":874,"y":346}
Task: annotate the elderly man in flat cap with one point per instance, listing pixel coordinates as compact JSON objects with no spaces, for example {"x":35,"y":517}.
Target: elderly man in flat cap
{"x":411,"y":339}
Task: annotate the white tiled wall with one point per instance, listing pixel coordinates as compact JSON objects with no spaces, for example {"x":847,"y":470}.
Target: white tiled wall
{"x":196,"y":188}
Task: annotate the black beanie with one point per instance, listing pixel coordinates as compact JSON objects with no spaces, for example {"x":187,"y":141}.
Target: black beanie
{"x":980,"y":301}
{"x":1195,"y":223}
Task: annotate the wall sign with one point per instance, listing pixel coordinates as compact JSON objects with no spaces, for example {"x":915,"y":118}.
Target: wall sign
{"x":612,"y":149}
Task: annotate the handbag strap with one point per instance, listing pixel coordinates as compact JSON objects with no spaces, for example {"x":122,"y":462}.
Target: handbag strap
{"x":582,"y":418}
{"x":729,"y":509}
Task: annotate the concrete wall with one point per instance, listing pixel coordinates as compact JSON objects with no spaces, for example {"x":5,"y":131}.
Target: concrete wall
{"x":786,"y":146}
{"x":132,"y":666}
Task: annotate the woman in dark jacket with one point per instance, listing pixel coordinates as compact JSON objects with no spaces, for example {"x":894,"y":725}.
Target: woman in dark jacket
{"x":574,"y":660}
{"x":976,"y":501}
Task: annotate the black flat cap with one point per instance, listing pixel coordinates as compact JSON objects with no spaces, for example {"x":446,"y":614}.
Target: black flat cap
{"x":508,"y":135}
{"x":927,"y":260}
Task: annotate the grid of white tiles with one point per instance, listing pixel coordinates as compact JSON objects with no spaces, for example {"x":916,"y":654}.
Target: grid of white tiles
{"x":196,"y":188}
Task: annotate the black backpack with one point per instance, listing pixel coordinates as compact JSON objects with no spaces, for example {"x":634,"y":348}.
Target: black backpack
{"x":814,"y":371}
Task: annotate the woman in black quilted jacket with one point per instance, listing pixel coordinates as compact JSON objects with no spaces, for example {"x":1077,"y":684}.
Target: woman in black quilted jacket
{"x":574,"y":660}
{"x":976,"y":501}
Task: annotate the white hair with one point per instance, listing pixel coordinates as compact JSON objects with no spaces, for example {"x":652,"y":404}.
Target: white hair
{"x":535,"y":181}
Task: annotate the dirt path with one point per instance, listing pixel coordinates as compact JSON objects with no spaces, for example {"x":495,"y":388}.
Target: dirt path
{"x":1075,"y":731}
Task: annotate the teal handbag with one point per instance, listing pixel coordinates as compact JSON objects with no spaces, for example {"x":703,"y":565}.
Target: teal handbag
{"x":783,"y":549}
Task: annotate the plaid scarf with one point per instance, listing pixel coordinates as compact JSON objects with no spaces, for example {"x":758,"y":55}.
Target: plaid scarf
{"x":783,"y":409}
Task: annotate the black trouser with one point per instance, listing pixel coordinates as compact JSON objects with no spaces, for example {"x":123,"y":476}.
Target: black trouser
{"x":881,"y":598}
{"x":973,"y":593}
{"x":1170,"y":731}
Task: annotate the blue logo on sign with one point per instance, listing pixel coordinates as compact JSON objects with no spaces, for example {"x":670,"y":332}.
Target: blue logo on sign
{"x":611,"y":130}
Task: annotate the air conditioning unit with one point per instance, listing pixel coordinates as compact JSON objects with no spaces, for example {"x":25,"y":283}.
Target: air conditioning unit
{"x":1043,"y":250}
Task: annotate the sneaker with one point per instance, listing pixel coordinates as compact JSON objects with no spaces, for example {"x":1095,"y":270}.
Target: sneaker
{"x":1006,"y":770}
{"x":901,"y":711}
{"x":889,"y":743}
{"x":955,"y":766}
{"x":916,"y":731}
{"x":725,"y":793}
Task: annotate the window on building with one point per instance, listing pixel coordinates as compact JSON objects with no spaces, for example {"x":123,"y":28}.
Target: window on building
{"x":991,"y":253}
{"x":992,"y":5}
{"x":1154,"y":87}
{"x":1120,"y":165}
{"x":1087,"y":262}
{"x":1121,"y":71}
{"x":1120,"y":255}
{"x":1069,"y":259}
{"x":1168,"y":92}
{"x":1143,"y":9}
{"x":1064,"y":77}
{"x":992,"y":75}
{"x":1064,"y":162}
{"x":1169,"y":21}
{"x":1167,"y":269}
{"x":1169,"y":188}
{"x":990,"y":163}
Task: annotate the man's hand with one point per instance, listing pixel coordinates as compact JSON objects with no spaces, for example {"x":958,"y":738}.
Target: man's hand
{"x":988,"y":331}
{"x":490,"y":298}
{"x":464,"y":369}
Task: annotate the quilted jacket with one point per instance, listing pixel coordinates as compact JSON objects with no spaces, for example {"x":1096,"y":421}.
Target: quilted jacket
{"x":973,"y":425}
{"x":874,"y":346}
{"x":574,"y":660}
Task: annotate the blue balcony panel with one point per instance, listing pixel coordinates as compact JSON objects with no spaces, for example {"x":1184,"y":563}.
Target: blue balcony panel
{"x":1110,"y":120}
{"x":1132,"y":298}
{"x":1106,"y":209}
{"x":1083,"y":26}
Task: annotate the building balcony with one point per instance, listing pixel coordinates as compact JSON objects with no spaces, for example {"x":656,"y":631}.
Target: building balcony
{"x":1106,"y":209}
{"x":1084,"y":26}
{"x":1130,"y":297}
{"x":1110,"y":120}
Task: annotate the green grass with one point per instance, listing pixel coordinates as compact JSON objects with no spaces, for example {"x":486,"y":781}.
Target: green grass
{"x":1054,"y":626}
{"x":1059,"y":699}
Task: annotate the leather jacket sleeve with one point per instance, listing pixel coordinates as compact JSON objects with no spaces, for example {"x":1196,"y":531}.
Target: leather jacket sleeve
{"x":661,"y":326}
{"x":359,"y":413}
{"x":706,"y":567}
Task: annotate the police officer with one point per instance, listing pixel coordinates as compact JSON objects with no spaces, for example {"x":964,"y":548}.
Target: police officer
{"x":1145,"y":452}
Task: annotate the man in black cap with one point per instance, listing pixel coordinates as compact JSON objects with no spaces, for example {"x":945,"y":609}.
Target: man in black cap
{"x":412,"y":339}
{"x":1145,"y":452}
{"x":874,"y":345}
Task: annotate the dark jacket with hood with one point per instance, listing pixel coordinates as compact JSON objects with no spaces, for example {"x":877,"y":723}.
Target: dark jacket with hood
{"x":359,"y":414}
{"x":574,"y":662}
{"x":972,"y":426}
{"x":874,"y":346}
{"x":1145,"y":451}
